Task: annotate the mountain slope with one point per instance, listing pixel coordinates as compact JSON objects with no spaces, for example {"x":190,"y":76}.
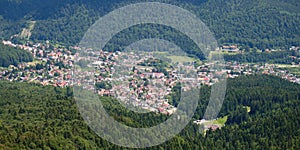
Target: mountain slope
{"x":262,"y":24}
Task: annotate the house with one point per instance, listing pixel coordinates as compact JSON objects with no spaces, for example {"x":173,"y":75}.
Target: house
{"x":154,"y":75}
{"x":158,"y":75}
{"x":213,"y":127}
{"x":231,"y":48}
{"x":97,"y":63}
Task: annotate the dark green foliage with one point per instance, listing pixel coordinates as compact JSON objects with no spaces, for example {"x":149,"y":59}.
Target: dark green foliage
{"x":260,"y":24}
{"x":39,"y":67}
{"x":13,"y":56}
{"x":174,"y":98}
{"x":83,"y":63}
{"x":33,"y":117}
{"x":238,"y":116}
{"x":279,"y":57}
{"x":145,"y":31}
{"x":103,"y":85}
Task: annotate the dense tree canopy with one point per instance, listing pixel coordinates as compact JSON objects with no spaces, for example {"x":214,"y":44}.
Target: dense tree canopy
{"x":261,"y":24}
{"x":13,"y":56}
{"x":35,"y":117}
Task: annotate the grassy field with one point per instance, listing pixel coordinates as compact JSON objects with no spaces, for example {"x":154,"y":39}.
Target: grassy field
{"x":286,"y":66}
{"x":181,"y":59}
{"x":222,"y":52}
{"x":294,"y":69}
{"x":85,"y":68}
{"x":160,"y":53}
{"x":220,"y":121}
{"x":26,"y":32}
{"x":35,"y":62}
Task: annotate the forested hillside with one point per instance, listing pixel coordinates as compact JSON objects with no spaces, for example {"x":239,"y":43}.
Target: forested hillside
{"x":13,"y":56}
{"x":255,"y":23}
{"x":32,"y":117}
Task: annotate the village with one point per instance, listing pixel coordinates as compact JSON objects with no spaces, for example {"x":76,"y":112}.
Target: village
{"x":135,"y":80}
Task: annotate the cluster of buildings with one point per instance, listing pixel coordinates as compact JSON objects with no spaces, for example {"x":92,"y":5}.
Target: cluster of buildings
{"x":237,"y":69}
{"x":230,"y":48}
{"x":125,"y":76}
{"x":120,"y":75}
{"x":51,"y":66}
{"x":208,"y":124}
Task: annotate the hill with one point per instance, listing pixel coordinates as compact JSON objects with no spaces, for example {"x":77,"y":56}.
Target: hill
{"x":13,"y":56}
{"x":261,"y":24}
{"x":36,"y":117}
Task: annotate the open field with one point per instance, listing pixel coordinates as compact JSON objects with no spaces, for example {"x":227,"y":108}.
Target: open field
{"x":85,"y":68}
{"x":181,"y":59}
{"x":222,"y":52}
{"x":35,"y":62}
{"x":286,"y":66}
{"x":294,"y":69}
{"x":26,"y":32}
{"x":220,"y":121}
